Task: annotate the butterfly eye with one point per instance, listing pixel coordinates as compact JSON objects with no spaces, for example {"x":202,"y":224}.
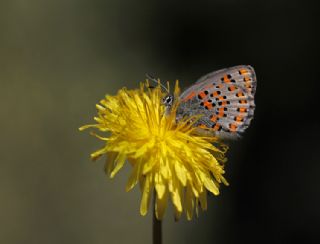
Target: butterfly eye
{"x":168,"y":100}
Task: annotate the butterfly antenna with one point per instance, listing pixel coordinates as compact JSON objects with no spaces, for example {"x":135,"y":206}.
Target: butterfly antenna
{"x":151,"y":78}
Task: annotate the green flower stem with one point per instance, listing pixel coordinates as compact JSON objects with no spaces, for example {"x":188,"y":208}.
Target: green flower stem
{"x":157,"y":225}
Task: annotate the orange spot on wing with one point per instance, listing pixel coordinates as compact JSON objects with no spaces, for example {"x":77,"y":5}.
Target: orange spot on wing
{"x":246,"y":79}
{"x":190,"y":96}
{"x":214,"y":118}
{"x":215,"y":94}
{"x":243,"y":101}
{"x":232,"y":88}
{"x":243,"y":71}
{"x":233,"y":127}
{"x":208,"y":105}
{"x":226,"y":79}
{"x":217,"y":126}
{"x":239,"y":119}
{"x":202,"y":95}
{"x":221,"y":112}
{"x":240,"y":94}
{"x":242,"y":110}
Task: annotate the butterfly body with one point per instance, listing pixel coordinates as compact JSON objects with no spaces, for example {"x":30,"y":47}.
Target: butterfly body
{"x":224,"y":99}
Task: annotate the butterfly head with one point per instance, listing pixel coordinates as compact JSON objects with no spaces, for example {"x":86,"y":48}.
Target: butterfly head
{"x":167,"y":101}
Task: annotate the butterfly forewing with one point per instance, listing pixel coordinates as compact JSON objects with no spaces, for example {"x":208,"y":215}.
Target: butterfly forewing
{"x":224,"y":98}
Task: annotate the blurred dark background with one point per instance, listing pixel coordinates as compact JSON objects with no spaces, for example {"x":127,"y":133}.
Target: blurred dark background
{"x":58,"y":58}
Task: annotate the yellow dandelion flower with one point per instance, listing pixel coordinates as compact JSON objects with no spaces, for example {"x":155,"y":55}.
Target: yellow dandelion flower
{"x":166,"y":155}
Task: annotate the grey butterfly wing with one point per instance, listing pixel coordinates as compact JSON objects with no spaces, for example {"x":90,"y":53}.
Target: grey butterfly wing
{"x":224,"y":98}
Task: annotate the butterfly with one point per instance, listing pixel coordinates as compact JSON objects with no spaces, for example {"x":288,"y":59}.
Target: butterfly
{"x":224,"y":99}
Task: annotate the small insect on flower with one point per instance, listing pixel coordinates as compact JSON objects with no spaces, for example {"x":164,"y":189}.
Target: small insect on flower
{"x":224,"y":98}
{"x":173,"y":141}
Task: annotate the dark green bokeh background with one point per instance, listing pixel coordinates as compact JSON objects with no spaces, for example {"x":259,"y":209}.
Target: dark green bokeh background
{"x":59,"y":58}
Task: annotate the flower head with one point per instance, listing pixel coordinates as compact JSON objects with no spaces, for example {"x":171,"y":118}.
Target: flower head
{"x":166,"y":155}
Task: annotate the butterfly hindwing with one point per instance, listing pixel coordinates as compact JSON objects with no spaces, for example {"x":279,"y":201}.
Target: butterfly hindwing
{"x":224,"y":98}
